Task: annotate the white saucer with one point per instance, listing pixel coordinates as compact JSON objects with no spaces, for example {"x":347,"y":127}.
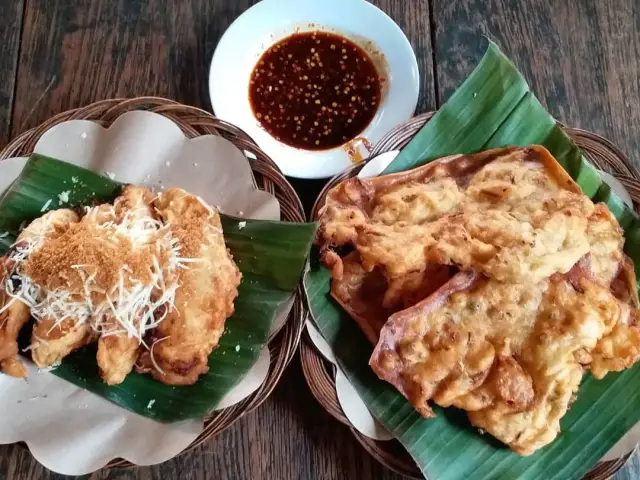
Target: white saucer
{"x":271,"y":20}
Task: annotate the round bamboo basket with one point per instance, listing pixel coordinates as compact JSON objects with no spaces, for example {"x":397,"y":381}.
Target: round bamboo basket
{"x":320,"y":374}
{"x":195,"y":122}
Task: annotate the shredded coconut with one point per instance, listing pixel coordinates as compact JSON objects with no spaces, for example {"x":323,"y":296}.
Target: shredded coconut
{"x":137,"y":257}
{"x":45,"y":206}
{"x":64,"y":197}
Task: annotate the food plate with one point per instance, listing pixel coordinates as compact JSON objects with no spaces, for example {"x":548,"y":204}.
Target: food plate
{"x":498,"y":110}
{"x":50,"y":414}
{"x":271,"y":20}
{"x":354,"y":407}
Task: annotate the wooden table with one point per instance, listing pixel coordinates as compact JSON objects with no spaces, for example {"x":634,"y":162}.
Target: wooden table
{"x":582,"y":58}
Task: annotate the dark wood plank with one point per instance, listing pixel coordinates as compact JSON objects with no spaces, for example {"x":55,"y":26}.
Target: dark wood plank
{"x":79,"y":51}
{"x":10,"y":29}
{"x":582,"y":58}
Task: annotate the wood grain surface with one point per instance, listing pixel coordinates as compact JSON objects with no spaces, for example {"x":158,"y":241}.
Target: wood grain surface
{"x":582,"y":58}
{"x":10,"y":30}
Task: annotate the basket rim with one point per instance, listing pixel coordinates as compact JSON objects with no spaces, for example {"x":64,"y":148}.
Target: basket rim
{"x":320,"y":374}
{"x":194,"y":122}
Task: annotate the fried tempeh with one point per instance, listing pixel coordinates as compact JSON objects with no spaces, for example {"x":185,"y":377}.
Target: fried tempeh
{"x":370,"y":300}
{"x":544,"y":290}
{"x":511,"y":355}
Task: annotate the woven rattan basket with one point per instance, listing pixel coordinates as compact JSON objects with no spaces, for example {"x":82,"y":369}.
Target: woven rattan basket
{"x":268,"y":177}
{"x":320,"y":374}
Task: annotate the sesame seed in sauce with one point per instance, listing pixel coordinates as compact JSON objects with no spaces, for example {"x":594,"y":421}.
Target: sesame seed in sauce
{"x":306,"y":83}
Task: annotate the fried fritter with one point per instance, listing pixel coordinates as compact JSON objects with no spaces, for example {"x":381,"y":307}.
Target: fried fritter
{"x":52,"y":341}
{"x":360,"y":293}
{"x":545,"y":290}
{"x":118,"y":352}
{"x":181,"y":344}
{"x":370,"y":300}
{"x":511,"y":213}
{"x":14,"y":315}
{"x":17,"y":314}
{"x":509,"y":354}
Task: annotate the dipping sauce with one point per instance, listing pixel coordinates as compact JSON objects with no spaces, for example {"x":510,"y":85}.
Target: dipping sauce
{"x":315,"y":90}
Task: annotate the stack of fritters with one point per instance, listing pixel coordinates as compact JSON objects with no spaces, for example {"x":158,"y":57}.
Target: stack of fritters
{"x":147,"y":277}
{"x":489,"y":282}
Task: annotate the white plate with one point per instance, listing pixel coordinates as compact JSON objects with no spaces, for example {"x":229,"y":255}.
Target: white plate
{"x":271,"y":20}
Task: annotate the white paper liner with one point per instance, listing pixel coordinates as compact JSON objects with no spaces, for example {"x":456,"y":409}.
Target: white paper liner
{"x":319,"y":342}
{"x":72,"y":431}
{"x":356,"y":410}
{"x":79,"y":432}
{"x":353,"y":406}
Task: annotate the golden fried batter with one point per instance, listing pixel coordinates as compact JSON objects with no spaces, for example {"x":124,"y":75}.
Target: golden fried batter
{"x":14,"y":315}
{"x":503,"y":352}
{"x":127,"y":273}
{"x":370,"y":300}
{"x":17,"y":314}
{"x":509,"y":213}
{"x":117,"y":353}
{"x":545,"y":290}
{"x":52,"y":341}
{"x":360,"y":293}
{"x":181,"y":344}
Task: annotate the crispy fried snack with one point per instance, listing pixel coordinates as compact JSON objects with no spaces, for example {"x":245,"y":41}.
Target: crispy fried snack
{"x":52,"y":341}
{"x":14,"y":315}
{"x":181,"y":344}
{"x":368,"y":298}
{"x":544,"y":290}
{"x":17,"y":313}
{"x":117,"y":353}
{"x":512,"y":355}
{"x":512,"y":214}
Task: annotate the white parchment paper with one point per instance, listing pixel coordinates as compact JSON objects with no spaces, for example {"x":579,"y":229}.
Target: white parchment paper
{"x":68,"y":429}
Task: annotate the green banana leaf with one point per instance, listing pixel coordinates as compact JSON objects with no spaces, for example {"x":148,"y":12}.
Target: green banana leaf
{"x":493,"y":108}
{"x":271,"y":256}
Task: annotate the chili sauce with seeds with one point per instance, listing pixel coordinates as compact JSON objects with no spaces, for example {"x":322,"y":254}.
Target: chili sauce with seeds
{"x":315,"y":90}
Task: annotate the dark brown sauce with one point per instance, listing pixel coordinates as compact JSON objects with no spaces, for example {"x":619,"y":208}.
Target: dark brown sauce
{"x":315,"y":90}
